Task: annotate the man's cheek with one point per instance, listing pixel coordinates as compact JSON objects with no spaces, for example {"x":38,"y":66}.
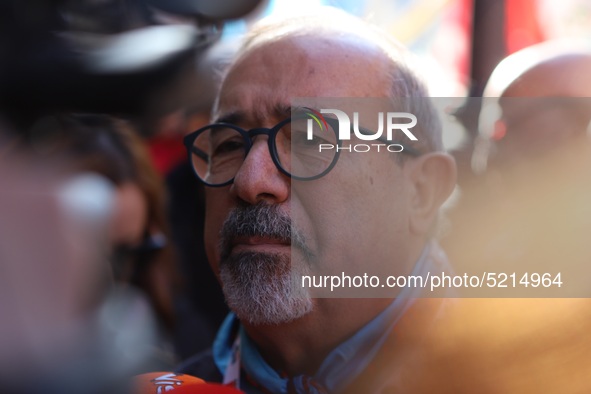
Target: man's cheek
{"x":211,"y":249}
{"x":215,"y":215}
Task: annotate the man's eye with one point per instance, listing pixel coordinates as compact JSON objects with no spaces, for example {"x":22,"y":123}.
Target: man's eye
{"x":300,"y":138}
{"x":230,"y":146}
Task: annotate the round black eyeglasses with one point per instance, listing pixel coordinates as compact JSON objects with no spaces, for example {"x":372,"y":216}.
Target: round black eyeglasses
{"x":300,"y":148}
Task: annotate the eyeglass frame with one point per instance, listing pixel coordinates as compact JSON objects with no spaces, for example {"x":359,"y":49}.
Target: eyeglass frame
{"x":271,"y":133}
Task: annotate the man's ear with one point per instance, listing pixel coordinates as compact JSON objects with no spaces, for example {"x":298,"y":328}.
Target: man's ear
{"x":433,"y":177}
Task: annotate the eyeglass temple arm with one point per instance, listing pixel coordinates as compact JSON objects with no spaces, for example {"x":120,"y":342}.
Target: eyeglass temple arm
{"x":200,"y":154}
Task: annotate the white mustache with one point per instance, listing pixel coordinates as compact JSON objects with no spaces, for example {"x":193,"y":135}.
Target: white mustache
{"x":261,"y":220}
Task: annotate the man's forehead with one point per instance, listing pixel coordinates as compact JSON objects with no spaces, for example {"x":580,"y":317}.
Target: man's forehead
{"x":291,"y":57}
{"x":265,"y":78}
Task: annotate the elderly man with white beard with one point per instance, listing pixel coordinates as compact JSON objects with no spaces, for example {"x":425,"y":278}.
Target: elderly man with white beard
{"x":278,"y":210}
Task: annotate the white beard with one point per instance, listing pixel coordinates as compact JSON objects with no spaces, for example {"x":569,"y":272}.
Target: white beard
{"x":264,"y":288}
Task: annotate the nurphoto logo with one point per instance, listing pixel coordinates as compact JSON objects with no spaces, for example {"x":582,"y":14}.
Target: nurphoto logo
{"x":395,"y":122}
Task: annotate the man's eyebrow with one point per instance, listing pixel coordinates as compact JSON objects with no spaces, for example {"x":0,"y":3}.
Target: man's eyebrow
{"x":298,"y":109}
{"x":282,"y":109}
{"x":231,"y":117}
{"x":237,"y":117}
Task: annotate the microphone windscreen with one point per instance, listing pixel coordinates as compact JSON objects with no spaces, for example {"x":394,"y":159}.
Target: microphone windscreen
{"x":177,"y":383}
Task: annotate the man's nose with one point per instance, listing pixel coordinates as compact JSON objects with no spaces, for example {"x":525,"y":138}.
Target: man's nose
{"x":258,"y":179}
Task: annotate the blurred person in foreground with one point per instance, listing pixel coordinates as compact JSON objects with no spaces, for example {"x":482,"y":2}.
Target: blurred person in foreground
{"x":140,"y":258}
{"x":55,"y":335}
{"x":264,"y":229}
{"x":82,"y":227}
{"x":527,"y":212}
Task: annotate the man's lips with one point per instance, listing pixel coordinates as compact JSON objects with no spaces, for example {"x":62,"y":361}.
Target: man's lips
{"x":259,"y":243}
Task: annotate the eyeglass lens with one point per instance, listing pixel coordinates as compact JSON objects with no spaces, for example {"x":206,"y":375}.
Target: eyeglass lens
{"x":303,"y":148}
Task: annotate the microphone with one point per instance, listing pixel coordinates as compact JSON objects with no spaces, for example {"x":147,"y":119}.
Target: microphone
{"x":177,"y":383}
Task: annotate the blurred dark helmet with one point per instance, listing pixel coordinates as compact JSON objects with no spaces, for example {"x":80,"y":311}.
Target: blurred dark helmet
{"x":108,"y":56}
